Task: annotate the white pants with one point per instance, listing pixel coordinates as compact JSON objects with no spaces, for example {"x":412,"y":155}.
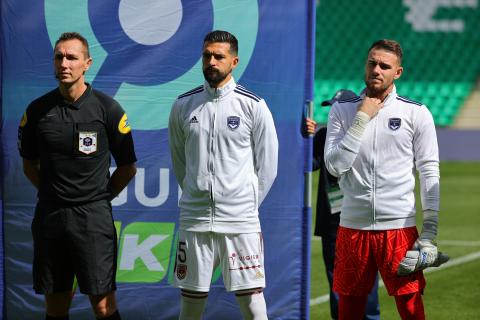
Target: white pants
{"x":240,"y":257}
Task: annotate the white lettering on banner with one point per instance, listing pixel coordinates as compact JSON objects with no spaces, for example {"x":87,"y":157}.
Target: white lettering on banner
{"x":163,"y":189}
{"x":132,"y":250}
{"x":139,"y":180}
{"x":121,"y":198}
{"x":421,"y":14}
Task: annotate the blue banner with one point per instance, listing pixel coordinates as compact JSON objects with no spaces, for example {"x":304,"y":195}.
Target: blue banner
{"x":146,"y":53}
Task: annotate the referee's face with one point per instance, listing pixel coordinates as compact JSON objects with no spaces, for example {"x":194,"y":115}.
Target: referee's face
{"x":218,"y":63}
{"x":381,"y":70}
{"x":71,"y":61}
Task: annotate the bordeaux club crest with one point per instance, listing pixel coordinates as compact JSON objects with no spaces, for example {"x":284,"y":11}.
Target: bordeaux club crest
{"x":394,"y":123}
{"x":181,"y":271}
{"x":233,"y":122}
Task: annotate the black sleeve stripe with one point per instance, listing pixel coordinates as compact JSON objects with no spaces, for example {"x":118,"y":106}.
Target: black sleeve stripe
{"x":408,"y":100}
{"x":247,"y":95}
{"x":193,"y":91}
{"x":241,"y":88}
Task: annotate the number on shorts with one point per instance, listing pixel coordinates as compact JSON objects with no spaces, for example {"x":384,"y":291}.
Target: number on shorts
{"x":182,"y":254}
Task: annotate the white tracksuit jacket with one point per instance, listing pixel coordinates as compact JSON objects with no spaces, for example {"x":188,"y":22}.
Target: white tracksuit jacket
{"x":377,"y":172}
{"x":224,"y":152}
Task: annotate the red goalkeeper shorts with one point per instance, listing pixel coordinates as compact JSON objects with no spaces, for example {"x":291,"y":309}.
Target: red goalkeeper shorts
{"x":360,"y":254}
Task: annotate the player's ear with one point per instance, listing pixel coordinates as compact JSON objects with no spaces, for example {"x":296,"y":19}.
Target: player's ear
{"x":398,"y":73}
{"x":88,"y":63}
{"x":235,"y":62}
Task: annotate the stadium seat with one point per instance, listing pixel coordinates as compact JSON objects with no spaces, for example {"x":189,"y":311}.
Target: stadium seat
{"x":440,"y":67}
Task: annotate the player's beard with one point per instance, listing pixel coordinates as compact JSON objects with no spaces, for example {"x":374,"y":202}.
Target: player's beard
{"x":215,"y":76}
{"x":374,"y":90}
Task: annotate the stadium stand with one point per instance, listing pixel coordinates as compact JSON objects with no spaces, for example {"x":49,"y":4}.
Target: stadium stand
{"x":440,"y":40}
{"x":469,"y":115}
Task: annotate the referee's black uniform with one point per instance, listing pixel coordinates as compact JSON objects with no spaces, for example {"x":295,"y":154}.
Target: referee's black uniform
{"x":73,"y":228}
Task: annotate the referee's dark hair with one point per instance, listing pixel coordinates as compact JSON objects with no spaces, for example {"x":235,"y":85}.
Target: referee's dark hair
{"x":390,"y":46}
{"x":71,"y":36}
{"x":222,"y":36}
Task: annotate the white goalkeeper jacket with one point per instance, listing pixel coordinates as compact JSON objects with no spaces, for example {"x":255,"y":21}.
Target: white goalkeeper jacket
{"x":377,"y":170}
{"x":224,"y":152}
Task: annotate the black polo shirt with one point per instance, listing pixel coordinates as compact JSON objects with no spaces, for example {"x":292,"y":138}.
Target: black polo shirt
{"x":73,"y":142}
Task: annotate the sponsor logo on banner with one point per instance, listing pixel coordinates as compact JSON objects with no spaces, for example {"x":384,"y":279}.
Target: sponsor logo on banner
{"x":233,"y":122}
{"x":154,"y":31}
{"x":87,"y":142}
{"x":394,"y":123}
{"x":144,"y":251}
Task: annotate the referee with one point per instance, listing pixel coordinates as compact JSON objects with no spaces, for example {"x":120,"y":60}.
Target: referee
{"x":66,"y":138}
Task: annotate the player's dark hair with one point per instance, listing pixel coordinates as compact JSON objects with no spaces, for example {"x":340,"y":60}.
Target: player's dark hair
{"x":71,"y":36}
{"x":390,"y":46}
{"x":222,"y":36}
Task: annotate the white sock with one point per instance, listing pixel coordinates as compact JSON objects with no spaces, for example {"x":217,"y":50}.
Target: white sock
{"x":191,"y":307}
{"x":253,"y":306}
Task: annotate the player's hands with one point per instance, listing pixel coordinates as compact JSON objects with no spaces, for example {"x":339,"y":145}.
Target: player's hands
{"x":311,"y":125}
{"x":441,"y":259}
{"x":423,"y":254}
{"x":370,"y":106}
{"x":428,"y":252}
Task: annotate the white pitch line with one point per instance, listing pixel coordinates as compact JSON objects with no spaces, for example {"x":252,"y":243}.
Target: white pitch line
{"x":454,"y":262}
{"x":459,"y":243}
{"x":319,"y":300}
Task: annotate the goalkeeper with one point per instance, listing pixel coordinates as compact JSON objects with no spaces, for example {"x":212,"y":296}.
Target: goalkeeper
{"x":374,"y":144}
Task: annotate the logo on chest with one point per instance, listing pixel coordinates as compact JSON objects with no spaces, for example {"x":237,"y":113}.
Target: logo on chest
{"x":233,"y":122}
{"x":193,"y":120}
{"x":394,"y":123}
{"x":87,"y":142}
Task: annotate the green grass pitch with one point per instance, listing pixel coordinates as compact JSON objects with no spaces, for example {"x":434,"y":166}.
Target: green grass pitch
{"x":451,"y":293}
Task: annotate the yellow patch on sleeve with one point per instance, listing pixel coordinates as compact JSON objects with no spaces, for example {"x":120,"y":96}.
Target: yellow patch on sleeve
{"x":23,"y":122}
{"x":123,"y":125}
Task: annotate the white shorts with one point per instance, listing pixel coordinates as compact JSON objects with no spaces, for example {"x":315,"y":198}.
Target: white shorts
{"x":240,"y":257}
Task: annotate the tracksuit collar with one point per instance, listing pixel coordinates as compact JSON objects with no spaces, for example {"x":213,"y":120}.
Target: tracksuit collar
{"x":222,"y":91}
{"x":388,"y":100}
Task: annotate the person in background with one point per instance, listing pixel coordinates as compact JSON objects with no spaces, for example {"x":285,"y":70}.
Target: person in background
{"x":329,"y":204}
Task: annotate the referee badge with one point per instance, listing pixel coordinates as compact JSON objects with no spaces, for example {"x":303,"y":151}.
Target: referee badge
{"x":233,"y":122}
{"x":87,"y":142}
{"x":394,"y":123}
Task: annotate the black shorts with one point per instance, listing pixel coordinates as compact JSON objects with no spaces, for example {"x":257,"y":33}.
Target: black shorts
{"x":76,"y":241}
